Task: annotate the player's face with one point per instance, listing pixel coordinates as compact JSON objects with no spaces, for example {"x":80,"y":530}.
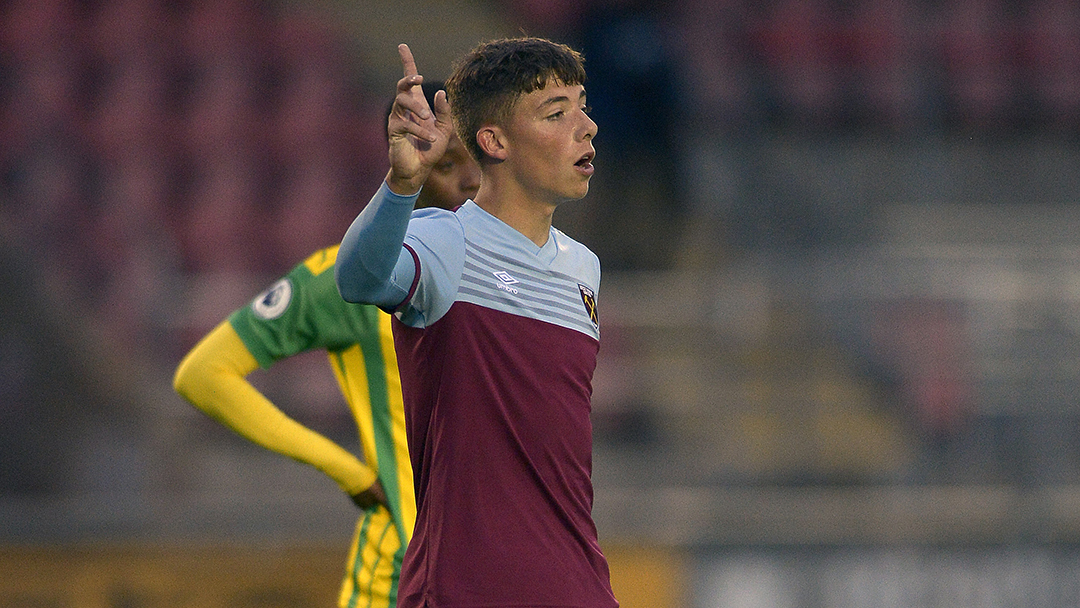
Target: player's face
{"x":455,"y":178}
{"x":550,"y":142}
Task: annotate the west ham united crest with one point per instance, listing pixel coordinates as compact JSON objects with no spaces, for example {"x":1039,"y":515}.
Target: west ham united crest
{"x":589,"y":298}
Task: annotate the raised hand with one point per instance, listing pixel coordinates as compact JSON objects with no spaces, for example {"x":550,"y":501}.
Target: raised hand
{"x":417,"y":135}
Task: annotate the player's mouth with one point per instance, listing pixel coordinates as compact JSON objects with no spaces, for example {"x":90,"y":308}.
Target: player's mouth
{"x":584,"y":164}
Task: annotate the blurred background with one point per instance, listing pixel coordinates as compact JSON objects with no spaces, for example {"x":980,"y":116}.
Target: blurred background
{"x":840,"y":306}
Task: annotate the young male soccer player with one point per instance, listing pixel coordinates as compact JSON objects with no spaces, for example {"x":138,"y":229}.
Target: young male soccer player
{"x":303,"y":311}
{"x":496,"y":332}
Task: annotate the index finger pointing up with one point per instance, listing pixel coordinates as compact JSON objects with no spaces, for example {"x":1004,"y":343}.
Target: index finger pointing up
{"x":407,"y":60}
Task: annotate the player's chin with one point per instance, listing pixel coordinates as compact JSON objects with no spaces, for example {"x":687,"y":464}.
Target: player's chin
{"x":581,"y":187}
{"x":577,"y":193}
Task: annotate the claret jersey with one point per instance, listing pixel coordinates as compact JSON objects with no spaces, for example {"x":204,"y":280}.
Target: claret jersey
{"x":497,"y":342}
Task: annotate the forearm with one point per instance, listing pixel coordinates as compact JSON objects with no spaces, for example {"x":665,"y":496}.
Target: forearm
{"x":371,"y":252}
{"x":212,"y":377}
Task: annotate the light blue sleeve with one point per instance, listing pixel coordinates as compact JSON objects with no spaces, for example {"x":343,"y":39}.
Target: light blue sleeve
{"x":437,"y":238}
{"x":372,"y":266}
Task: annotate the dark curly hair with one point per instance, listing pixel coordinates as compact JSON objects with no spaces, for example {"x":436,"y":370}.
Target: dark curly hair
{"x":486,"y":83}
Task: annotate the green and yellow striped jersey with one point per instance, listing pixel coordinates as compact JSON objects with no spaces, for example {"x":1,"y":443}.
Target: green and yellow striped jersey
{"x":303,"y":311}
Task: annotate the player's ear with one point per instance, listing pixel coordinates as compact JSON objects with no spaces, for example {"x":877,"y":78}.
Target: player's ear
{"x":492,"y":141}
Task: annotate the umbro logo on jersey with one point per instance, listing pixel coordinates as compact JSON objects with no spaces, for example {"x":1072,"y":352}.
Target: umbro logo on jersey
{"x":505,"y":277}
{"x":506,"y":281}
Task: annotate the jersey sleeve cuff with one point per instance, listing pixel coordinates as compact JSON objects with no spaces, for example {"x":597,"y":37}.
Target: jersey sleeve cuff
{"x":398,"y":199}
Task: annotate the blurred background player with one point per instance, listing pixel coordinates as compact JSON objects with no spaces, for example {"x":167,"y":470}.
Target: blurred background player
{"x":301,"y":312}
